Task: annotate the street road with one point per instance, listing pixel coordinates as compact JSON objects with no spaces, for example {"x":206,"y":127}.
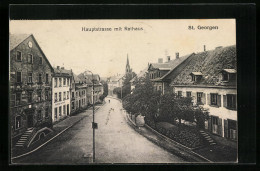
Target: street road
{"x":116,"y":142}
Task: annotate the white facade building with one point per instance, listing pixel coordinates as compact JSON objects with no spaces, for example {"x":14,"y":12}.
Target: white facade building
{"x":61,"y":93}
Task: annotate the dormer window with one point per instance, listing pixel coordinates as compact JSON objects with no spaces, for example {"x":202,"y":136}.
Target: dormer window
{"x":196,"y":76}
{"x":228,"y":75}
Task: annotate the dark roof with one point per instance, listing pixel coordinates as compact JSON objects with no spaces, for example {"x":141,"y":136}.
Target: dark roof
{"x":171,"y":64}
{"x":62,"y":72}
{"x":16,"y":39}
{"x":210,"y":64}
{"x":82,"y":78}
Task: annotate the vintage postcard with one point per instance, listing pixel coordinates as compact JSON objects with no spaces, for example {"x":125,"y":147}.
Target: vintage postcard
{"x":123,"y":91}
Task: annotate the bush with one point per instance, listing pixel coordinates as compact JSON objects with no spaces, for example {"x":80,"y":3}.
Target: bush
{"x":184,"y":135}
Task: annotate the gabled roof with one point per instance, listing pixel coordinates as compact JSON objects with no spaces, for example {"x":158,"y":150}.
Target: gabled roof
{"x":210,"y":64}
{"x":17,"y":39}
{"x":169,"y":65}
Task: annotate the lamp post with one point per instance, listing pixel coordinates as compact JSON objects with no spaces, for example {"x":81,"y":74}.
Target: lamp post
{"x":93,"y":122}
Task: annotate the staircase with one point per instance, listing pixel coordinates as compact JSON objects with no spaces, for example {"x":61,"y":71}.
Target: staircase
{"x":24,"y":138}
{"x":207,"y":137}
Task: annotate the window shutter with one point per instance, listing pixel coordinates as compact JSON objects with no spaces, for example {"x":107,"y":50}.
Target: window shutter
{"x":220,"y":126}
{"x":235,"y":101}
{"x":203,"y":98}
{"x":209,"y":124}
{"x":225,"y":128}
{"x":209,"y":100}
{"x":219,"y":100}
{"x":225,"y":100}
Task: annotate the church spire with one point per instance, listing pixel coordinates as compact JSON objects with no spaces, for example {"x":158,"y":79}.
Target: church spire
{"x":127,"y":68}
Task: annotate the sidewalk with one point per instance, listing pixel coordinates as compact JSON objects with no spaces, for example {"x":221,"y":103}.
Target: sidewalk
{"x":216,"y":153}
{"x":58,"y":129}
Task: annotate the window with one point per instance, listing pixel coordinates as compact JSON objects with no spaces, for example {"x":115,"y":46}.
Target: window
{"x":224,"y":76}
{"x":231,"y":101}
{"x":68,"y":94}
{"x":68,"y":81}
{"x":159,"y":74}
{"x":188,"y":94}
{"x":64,"y":95}
{"x":29,"y":77}
{"x":193,"y":78}
{"x":46,"y":112}
{"x":46,"y":95}
{"x":40,"y":78}
{"x":40,"y":60}
{"x":59,"y":96}
{"x":39,"y":95}
{"x":72,"y":94}
{"x":56,"y":98}
{"x":64,"y":110}
{"x":76,"y":94}
{"x":64,"y":81}
{"x":18,"y":98}
{"x":60,"y":111}
{"x":18,"y":120}
{"x":59,"y":82}
{"x":160,"y":88}
{"x":213,"y":99}
{"x":55,"y":82}
{"x":39,"y":115}
{"x":72,"y":105}
{"x":215,"y":125}
{"x":30,"y":59}
{"x":199,"y":96}
{"x":47,"y":78}
{"x":30,"y":95}
{"x":19,"y":77}
{"x":179,"y":93}
{"x":56,"y":113}
{"x":19,"y":56}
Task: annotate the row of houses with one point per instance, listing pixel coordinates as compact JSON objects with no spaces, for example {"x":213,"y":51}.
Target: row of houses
{"x":209,"y":77}
{"x":40,"y":94}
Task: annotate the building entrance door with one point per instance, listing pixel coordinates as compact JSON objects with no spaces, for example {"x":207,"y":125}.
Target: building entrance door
{"x":30,"y":121}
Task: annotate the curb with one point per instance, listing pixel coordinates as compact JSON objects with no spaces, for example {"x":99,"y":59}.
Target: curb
{"x":37,"y":148}
{"x":183,"y":146}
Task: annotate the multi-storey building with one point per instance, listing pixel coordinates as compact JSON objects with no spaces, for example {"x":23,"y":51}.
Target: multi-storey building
{"x":30,"y":87}
{"x":61,"y":93}
{"x":158,"y":72}
{"x":210,"y":79}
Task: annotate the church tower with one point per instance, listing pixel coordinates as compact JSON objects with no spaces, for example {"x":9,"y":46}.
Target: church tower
{"x":128,"y":70}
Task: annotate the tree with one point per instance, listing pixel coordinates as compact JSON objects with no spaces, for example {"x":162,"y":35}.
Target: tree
{"x":105,"y":87}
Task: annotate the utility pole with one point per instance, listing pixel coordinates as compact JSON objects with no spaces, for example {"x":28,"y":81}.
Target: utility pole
{"x":94,"y":125}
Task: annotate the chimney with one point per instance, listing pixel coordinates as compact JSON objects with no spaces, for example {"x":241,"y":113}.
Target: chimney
{"x":62,"y":67}
{"x":58,"y":67}
{"x":168,"y":58}
{"x":160,"y":60}
{"x":177,"y":55}
{"x":204,"y":48}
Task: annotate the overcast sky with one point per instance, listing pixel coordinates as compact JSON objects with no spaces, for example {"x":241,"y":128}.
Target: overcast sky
{"x":104,"y":52}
